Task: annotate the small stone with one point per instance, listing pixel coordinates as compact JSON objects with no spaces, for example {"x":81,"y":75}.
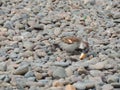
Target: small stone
{"x":82,"y":70}
{"x":57,"y":84}
{"x":8,"y":25}
{"x":40,"y":53}
{"x":29,"y":74}
{"x":27,"y":53}
{"x":21,"y":70}
{"x":59,"y":72}
{"x":18,"y":38}
{"x":57,"y":31}
{"x":69,"y":71}
{"x":98,"y":66}
{"x":28,"y":45}
{"x":92,"y":2}
{"x":96,"y":73}
{"x":55,"y":88}
{"x":38,"y":27}
{"x":70,"y":87}
{"x":80,"y":85}
{"x":116,"y":85}
{"x":31,"y":79}
{"x":38,"y":75}
{"x":112,"y":79}
{"x":19,"y":26}
{"x":3,"y":66}
{"x":107,"y":87}
{"x":116,"y":15}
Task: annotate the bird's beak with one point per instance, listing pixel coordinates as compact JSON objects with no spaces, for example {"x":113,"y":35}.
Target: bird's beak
{"x":82,"y":56}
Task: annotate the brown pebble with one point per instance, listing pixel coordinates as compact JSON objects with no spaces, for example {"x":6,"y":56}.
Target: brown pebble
{"x":57,"y":84}
{"x":70,"y":87}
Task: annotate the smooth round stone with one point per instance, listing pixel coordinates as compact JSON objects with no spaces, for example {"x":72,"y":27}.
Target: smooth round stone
{"x":59,"y":72}
{"x":80,"y":85}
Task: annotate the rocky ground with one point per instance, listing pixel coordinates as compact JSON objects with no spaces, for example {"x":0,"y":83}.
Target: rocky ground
{"x":30,"y":28}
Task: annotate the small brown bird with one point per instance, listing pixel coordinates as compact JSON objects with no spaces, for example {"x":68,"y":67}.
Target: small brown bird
{"x":72,"y":44}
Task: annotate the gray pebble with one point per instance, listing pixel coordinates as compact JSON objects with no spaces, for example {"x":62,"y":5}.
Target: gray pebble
{"x":112,"y":79}
{"x":80,"y":85}
{"x":29,"y":74}
{"x":59,"y":72}
{"x":96,"y":73}
{"x":98,"y":66}
{"x":107,"y":87}
{"x":3,"y":66}
{"x":31,"y":79}
{"x":62,"y":64}
{"x":116,"y":15}
{"x":28,"y":45}
{"x":21,"y":70}
{"x":8,"y":25}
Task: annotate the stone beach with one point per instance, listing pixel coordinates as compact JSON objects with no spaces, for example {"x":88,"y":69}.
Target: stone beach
{"x":31,"y":59}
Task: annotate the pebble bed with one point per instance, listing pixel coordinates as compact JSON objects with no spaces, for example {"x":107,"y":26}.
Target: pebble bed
{"x":29,"y":29}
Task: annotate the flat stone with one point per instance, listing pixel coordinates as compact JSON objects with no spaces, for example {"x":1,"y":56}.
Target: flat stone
{"x":107,"y":87}
{"x":59,"y":72}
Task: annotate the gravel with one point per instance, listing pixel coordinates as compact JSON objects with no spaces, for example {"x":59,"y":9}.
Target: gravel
{"x":32,"y":56}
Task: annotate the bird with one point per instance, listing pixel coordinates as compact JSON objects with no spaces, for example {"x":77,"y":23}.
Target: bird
{"x":72,"y":44}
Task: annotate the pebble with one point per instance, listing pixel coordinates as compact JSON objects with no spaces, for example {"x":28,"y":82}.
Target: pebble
{"x":38,"y":27}
{"x":70,"y":87}
{"x":116,"y":15}
{"x":113,"y":79}
{"x":80,"y":85}
{"x":29,"y":74}
{"x":69,"y":71}
{"x":38,"y":75}
{"x":62,"y":64}
{"x":107,"y":87}
{"x":96,"y":73}
{"x":3,"y":66}
{"x":98,"y":66}
{"x":59,"y":72}
{"x":28,"y":45}
{"x":8,"y":25}
{"x":21,"y":70}
{"x":57,"y":84}
{"x":57,"y":31}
